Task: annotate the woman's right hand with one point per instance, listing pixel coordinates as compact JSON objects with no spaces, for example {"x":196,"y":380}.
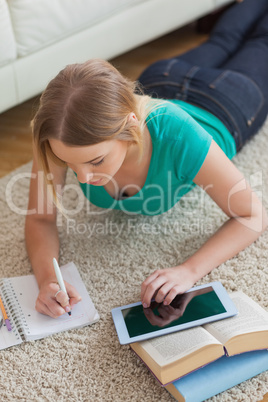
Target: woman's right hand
{"x":49,"y":303}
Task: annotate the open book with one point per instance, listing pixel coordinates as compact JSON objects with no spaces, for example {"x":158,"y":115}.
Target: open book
{"x":19,"y":295}
{"x":172,"y":356}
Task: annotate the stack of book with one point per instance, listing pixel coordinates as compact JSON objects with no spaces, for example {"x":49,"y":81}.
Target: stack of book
{"x":201,"y":362}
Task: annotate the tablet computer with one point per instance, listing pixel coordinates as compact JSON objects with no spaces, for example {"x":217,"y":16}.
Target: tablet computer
{"x":198,"y":306}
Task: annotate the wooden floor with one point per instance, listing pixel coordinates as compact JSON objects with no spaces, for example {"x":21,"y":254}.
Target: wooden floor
{"x":15,"y":133}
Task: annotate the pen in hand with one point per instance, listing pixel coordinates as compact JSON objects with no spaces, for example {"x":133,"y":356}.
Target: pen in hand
{"x":59,"y":279}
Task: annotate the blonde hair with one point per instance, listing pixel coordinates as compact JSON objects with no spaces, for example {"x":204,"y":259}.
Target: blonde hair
{"x":86,"y":104}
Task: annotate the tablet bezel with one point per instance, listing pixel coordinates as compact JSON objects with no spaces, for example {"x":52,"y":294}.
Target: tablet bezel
{"x":221,"y":292}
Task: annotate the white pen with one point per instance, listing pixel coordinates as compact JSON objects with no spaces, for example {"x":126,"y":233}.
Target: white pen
{"x":59,"y":278}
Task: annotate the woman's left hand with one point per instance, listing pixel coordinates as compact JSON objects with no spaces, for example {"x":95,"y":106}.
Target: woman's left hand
{"x":165,"y":284}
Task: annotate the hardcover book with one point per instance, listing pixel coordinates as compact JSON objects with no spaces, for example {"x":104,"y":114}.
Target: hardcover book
{"x":172,"y":356}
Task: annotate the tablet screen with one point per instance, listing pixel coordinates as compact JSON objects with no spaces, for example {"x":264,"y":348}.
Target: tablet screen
{"x":188,"y":307}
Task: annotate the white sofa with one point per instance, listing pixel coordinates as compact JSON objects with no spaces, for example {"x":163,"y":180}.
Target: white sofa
{"x":40,"y":37}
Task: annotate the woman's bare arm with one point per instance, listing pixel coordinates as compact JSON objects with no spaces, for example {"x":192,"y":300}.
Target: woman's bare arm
{"x":42,"y":242}
{"x":247,"y":221}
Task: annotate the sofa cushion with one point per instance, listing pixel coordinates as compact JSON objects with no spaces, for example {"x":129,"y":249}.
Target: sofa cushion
{"x":39,"y":23}
{"x":219,"y":3}
{"x":7,"y":43}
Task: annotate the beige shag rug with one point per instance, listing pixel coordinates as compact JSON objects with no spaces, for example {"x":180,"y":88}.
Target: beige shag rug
{"x":114,"y":253}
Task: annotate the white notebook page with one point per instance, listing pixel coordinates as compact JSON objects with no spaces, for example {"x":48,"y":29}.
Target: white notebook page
{"x":36,"y":325}
{"x":9,"y":338}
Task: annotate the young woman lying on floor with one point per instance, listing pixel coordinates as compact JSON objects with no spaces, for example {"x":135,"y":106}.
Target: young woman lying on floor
{"x":142,"y":151}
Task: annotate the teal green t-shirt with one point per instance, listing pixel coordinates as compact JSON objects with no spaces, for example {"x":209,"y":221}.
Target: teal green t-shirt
{"x":181,"y":136}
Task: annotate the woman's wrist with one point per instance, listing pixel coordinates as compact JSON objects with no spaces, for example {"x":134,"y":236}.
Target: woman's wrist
{"x":44,"y":275}
{"x":191,"y":270}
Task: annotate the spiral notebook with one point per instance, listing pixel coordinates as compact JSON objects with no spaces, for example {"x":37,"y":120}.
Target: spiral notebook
{"x":19,"y":295}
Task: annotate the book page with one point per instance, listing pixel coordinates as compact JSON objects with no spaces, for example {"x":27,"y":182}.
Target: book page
{"x":169,"y":348}
{"x":251,"y":318}
{"x":35,"y":325}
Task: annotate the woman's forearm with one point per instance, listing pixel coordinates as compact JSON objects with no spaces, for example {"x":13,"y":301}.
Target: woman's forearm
{"x":42,"y":243}
{"x":232,"y":237}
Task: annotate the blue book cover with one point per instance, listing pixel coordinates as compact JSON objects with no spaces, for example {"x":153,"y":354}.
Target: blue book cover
{"x":216,"y":377}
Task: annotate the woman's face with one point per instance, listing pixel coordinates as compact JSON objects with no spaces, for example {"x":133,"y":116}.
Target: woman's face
{"x":93,"y":164}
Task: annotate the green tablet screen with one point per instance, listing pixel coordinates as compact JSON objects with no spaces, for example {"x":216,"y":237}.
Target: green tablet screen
{"x":188,"y":307}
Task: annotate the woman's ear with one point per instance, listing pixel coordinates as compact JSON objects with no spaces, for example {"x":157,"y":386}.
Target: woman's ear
{"x":132,"y":117}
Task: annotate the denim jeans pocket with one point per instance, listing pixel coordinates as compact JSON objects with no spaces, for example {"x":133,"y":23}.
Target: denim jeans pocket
{"x":242,"y":92}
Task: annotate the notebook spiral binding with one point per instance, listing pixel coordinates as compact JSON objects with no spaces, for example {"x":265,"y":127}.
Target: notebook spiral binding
{"x":13,"y":309}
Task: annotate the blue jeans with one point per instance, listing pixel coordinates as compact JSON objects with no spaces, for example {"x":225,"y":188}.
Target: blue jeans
{"x":227,"y":75}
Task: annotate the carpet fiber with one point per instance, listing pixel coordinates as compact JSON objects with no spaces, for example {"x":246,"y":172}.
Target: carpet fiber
{"x":114,"y":253}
